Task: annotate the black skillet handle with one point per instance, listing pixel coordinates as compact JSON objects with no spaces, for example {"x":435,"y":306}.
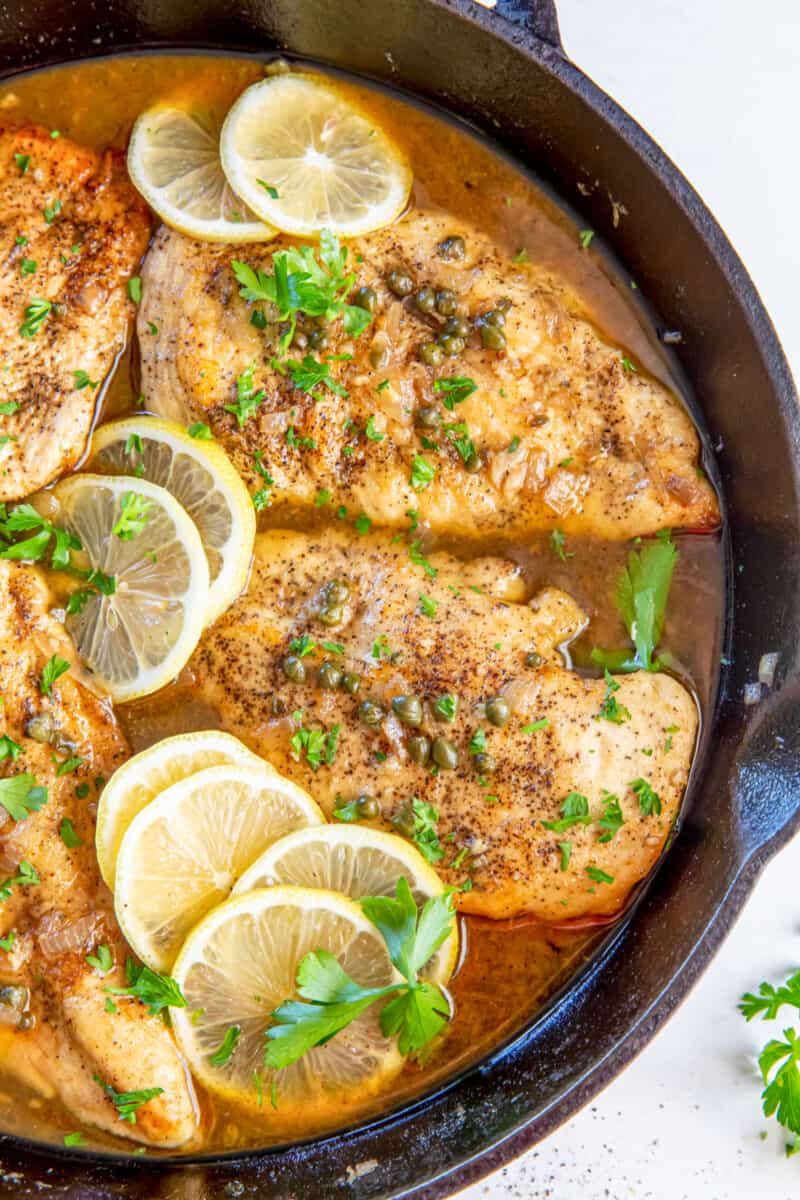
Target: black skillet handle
{"x":538,"y":17}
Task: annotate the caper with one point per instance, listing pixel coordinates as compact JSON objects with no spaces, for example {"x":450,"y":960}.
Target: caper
{"x":334,"y":615}
{"x":337,"y":591}
{"x":318,"y":339}
{"x":370,"y":712}
{"x":329,"y":675}
{"x":366,"y":298}
{"x":425,"y":300}
{"x":378,"y":353}
{"x":497,"y":711}
{"x":419,"y":749}
{"x":299,"y":340}
{"x":294,"y":668}
{"x":431,"y":354}
{"x":444,"y":754}
{"x":277,"y":706}
{"x":452,"y":248}
{"x":351,"y":683}
{"x":408,"y":709}
{"x":428,"y":417}
{"x":492,"y":338}
{"x":400,"y":283}
{"x":494,"y":316}
{"x":14,"y":997}
{"x":368,"y":808}
{"x":533,"y":659}
{"x":473,"y":464}
{"x":452,"y":346}
{"x":485,"y":764}
{"x":26,"y":1021}
{"x":459,"y":326}
{"x":403,"y":819}
{"x":446,"y":302}
{"x":40,"y":727}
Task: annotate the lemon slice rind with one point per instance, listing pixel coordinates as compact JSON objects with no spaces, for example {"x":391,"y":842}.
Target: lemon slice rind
{"x":356,"y":861}
{"x":182,"y":853}
{"x":211,"y":490}
{"x":240,"y":963}
{"x":152,"y":771}
{"x":147,"y":629}
{"x":304,"y":159}
{"x":173,"y":160}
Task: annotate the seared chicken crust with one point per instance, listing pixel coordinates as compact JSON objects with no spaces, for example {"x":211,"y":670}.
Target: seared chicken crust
{"x":72,"y":232}
{"x":64,"y":1035}
{"x":474,"y":647}
{"x":568,"y":433}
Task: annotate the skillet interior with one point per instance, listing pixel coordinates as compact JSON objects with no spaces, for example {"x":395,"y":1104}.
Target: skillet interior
{"x":550,"y":116}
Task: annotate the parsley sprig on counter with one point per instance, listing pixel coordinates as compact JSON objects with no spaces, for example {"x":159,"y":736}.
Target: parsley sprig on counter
{"x":331,"y":1000}
{"x":779,"y":1060}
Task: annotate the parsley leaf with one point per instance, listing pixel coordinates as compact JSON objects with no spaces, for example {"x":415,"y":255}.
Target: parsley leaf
{"x":612,"y":819}
{"x":599,"y":876}
{"x":781,"y":1095}
{"x":649,"y":801}
{"x":26,"y":876}
{"x":427,"y":606}
{"x":421,"y":818}
{"x":102,"y":960}
{"x":611,"y":710}
{"x":134,"y":514}
{"x":422,"y":473}
{"x":155,"y":991}
{"x":770,"y":1000}
{"x":445,"y":707}
{"x":247,"y":398}
{"x":20,"y":796}
{"x":558,"y":543}
{"x":311,"y":372}
{"x":9,"y":748}
{"x":455,"y":390}
{"x":128,"y":1104}
{"x":641,"y":597}
{"x":66,"y":831}
{"x":575,"y":811}
{"x":36,"y":314}
{"x":53,"y":669}
{"x":226,"y":1047}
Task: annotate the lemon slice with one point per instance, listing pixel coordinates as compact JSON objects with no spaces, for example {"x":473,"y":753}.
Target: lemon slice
{"x":137,"y":639}
{"x":356,"y":861}
{"x":143,"y":777}
{"x":240,"y":963}
{"x":173,"y":160}
{"x":304,"y":159}
{"x":202,"y":478}
{"x":182,"y":854}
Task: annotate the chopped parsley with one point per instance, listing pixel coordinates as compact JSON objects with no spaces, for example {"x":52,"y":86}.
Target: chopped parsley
{"x":612,"y":819}
{"x":36,"y":314}
{"x":535,"y":726}
{"x":362,"y":524}
{"x":310,"y":374}
{"x":477,"y":743}
{"x":20,"y":795}
{"x":300,"y":443}
{"x":28,"y":266}
{"x":69,"y":837}
{"x":318,"y":745}
{"x":611,"y":710}
{"x":649,"y":801}
{"x":247,"y":398}
{"x":268,"y":188}
{"x":134,"y":514}
{"x":53,"y":669}
{"x":128,"y":1104}
{"x":102,"y":959}
{"x":455,"y":389}
{"x":223,"y":1053}
{"x":575,"y":811}
{"x":26,"y":876}
{"x":200,"y":431}
{"x":419,"y":560}
{"x":445,"y":707}
{"x":372,"y":433}
{"x":135,"y":289}
{"x":82,"y":381}
{"x":558,"y":541}
{"x":599,"y":876}
{"x":23,"y":161}
{"x":585,"y":238}
{"x":566,"y":854}
{"x":427,"y":606}
{"x":422,"y":473}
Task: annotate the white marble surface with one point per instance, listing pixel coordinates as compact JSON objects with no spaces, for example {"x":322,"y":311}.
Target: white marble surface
{"x":717,"y":82}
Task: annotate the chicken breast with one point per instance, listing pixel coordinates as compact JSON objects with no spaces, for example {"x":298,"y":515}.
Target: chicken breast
{"x":428,"y":630}
{"x":72,"y":232}
{"x":561,"y":430}
{"x":53,"y":900}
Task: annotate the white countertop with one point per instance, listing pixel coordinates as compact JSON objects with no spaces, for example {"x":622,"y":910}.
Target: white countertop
{"x":717,"y":83}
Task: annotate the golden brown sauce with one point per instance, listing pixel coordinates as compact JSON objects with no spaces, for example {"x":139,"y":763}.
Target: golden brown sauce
{"x":504,"y":977}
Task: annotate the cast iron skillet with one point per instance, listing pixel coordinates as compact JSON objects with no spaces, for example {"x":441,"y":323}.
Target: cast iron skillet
{"x":505,"y":71}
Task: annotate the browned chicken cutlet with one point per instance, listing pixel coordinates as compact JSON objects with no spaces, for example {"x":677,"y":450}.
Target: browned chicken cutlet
{"x":562,"y":429}
{"x":464,"y":633}
{"x":72,"y":232}
{"x":58,"y":1033}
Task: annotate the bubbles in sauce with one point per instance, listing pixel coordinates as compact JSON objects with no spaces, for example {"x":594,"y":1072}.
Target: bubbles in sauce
{"x":504,"y":977}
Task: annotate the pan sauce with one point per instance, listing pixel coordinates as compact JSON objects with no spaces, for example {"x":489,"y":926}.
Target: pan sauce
{"x":505,"y":976}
